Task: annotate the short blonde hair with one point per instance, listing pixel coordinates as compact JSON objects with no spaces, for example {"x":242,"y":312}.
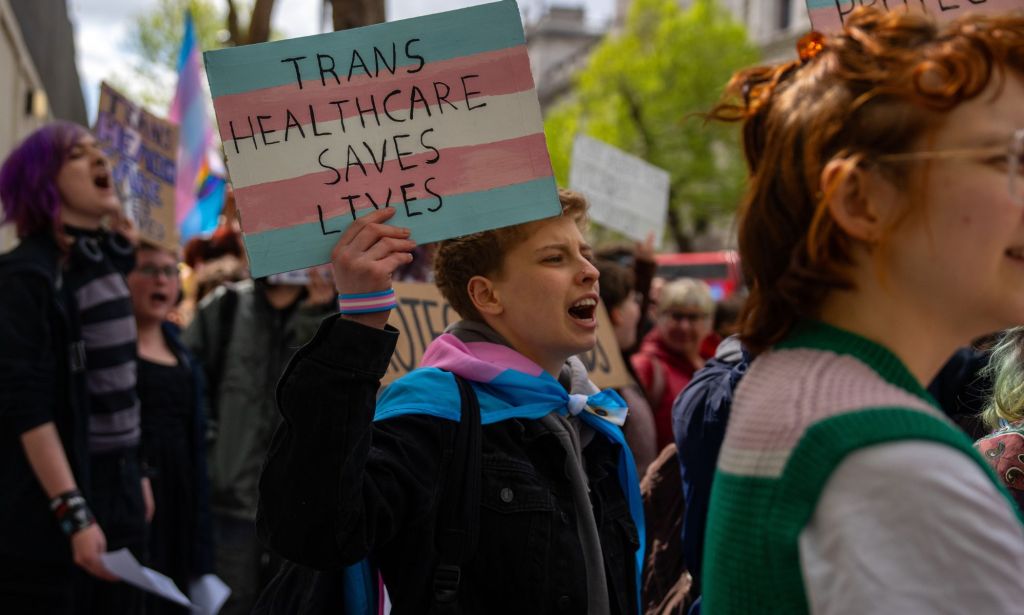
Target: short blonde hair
{"x":1006,"y":367}
{"x":686,"y":292}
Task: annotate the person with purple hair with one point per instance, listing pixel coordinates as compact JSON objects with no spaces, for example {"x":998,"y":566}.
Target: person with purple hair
{"x":69,"y":414}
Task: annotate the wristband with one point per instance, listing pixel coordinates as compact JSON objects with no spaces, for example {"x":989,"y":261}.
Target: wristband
{"x":72,"y":512}
{"x":365,"y":303}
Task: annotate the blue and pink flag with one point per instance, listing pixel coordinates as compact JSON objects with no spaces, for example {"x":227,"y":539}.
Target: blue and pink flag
{"x":199,"y":195}
{"x":436,"y":116}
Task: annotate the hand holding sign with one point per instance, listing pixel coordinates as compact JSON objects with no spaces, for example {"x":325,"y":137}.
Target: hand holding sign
{"x":367,"y":254}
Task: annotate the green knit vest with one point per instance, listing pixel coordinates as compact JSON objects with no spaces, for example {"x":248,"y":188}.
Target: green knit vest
{"x":751,"y":553}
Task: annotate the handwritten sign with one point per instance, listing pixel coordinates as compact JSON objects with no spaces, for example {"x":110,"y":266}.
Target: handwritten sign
{"x":828,"y":16}
{"x":422,"y":314}
{"x":625,"y":193}
{"x":143,"y":150}
{"x":435,"y":116}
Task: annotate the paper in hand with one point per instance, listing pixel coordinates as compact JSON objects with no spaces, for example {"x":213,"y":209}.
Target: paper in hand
{"x":123,"y":564}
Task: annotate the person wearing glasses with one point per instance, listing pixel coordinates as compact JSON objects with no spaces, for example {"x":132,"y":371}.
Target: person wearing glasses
{"x":670,"y":354}
{"x":180,"y":542}
{"x":69,"y":416}
{"x":882,"y":228}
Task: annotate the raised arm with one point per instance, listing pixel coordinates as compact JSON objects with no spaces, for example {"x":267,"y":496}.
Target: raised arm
{"x":333,"y":485}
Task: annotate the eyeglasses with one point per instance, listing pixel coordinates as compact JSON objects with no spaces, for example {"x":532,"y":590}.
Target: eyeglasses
{"x":692,"y":317}
{"x":152,"y":271}
{"x":1012,"y":156}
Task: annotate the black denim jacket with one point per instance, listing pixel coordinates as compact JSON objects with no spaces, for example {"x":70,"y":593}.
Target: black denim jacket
{"x":337,"y":488}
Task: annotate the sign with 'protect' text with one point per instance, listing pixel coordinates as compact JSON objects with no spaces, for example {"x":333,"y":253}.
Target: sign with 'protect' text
{"x":422,"y":314}
{"x":143,"y":151}
{"x":829,"y":16}
{"x":436,"y":117}
{"x":625,"y":192}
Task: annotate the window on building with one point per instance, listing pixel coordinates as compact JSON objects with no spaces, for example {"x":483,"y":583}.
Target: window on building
{"x":783,"y":14}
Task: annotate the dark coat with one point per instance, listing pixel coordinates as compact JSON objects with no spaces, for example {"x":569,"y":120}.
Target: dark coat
{"x":202,"y":560}
{"x":699,"y":417}
{"x":337,"y":488}
{"x":42,"y":380}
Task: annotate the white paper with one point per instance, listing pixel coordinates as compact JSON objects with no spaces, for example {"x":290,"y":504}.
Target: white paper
{"x":123,"y":564}
{"x":208,"y":594}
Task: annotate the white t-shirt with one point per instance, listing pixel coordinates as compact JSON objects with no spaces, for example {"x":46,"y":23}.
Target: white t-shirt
{"x":912,"y":527}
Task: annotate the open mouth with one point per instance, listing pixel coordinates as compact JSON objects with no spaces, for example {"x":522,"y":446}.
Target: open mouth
{"x":101,"y":181}
{"x":159,"y":297}
{"x":584,"y":309}
{"x":1016,"y":254}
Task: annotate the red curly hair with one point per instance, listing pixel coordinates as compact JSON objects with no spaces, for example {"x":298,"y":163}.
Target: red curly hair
{"x":878,"y":87}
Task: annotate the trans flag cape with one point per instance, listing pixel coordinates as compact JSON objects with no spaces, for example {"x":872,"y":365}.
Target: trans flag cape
{"x":508,"y":385}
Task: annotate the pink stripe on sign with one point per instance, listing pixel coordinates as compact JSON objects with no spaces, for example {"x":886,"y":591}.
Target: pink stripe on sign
{"x":457,"y":170}
{"x":441,"y":85}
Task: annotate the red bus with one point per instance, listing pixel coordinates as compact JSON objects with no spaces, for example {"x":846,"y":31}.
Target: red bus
{"x":721,"y":270}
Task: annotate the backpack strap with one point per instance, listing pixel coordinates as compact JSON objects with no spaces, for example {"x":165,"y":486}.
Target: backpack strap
{"x":458,"y":517}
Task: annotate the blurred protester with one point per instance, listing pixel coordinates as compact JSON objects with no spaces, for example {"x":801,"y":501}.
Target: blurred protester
{"x":963,"y":386}
{"x":180,"y":543}
{"x":69,"y":414}
{"x":243,"y":334}
{"x":726,"y":322}
{"x":670,"y":353}
{"x":623,"y":305}
{"x":700,"y":416}
{"x":640,"y":258}
{"x":882,"y":229}
{"x":1003,"y":449}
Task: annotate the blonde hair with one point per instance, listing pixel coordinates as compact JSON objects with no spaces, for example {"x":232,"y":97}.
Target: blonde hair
{"x":686,"y":292}
{"x":1006,"y":367}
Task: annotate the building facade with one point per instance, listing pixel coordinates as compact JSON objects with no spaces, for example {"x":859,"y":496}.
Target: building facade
{"x":38,"y":77}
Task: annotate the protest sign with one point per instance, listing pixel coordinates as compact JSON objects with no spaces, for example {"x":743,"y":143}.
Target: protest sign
{"x":625,"y":193}
{"x":435,"y":116}
{"x":422,"y":314}
{"x":143,"y":150}
{"x":828,"y":16}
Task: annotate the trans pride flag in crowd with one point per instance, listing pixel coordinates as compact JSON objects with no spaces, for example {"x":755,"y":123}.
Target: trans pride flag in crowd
{"x":199,"y":194}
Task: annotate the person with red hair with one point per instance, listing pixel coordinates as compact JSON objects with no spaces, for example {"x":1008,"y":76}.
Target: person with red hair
{"x":883,"y":228}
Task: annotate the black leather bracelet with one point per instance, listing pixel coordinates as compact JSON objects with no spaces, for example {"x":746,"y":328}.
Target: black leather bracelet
{"x":72,"y":512}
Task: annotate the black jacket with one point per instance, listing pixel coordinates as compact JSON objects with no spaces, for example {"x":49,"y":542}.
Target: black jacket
{"x":337,"y":487}
{"x":42,"y":379}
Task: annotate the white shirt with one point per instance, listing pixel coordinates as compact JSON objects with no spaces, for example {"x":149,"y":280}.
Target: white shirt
{"x":912,"y":527}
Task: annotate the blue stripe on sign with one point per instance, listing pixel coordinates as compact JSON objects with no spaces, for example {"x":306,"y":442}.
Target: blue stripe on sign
{"x":443,"y":36}
{"x":305,"y":245}
{"x":822,"y":4}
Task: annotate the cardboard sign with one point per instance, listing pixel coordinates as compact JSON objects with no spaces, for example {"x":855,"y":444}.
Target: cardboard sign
{"x":828,"y":16}
{"x":422,"y":314}
{"x":625,"y":193}
{"x":435,"y":116}
{"x":143,"y":150}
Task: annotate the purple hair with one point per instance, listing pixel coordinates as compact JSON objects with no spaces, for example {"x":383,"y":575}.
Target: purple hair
{"x":28,"y":178}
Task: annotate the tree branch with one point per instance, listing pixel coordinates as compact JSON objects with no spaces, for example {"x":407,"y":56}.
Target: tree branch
{"x":259,"y":24}
{"x":233,"y":35}
{"x":347,"y":14}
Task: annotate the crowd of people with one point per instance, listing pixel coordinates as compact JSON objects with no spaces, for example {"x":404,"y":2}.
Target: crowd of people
{"x":806,"y":445}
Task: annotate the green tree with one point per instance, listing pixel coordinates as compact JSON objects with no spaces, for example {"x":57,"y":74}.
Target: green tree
{"x":156,"y":36}
{"x":643,"y":91}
